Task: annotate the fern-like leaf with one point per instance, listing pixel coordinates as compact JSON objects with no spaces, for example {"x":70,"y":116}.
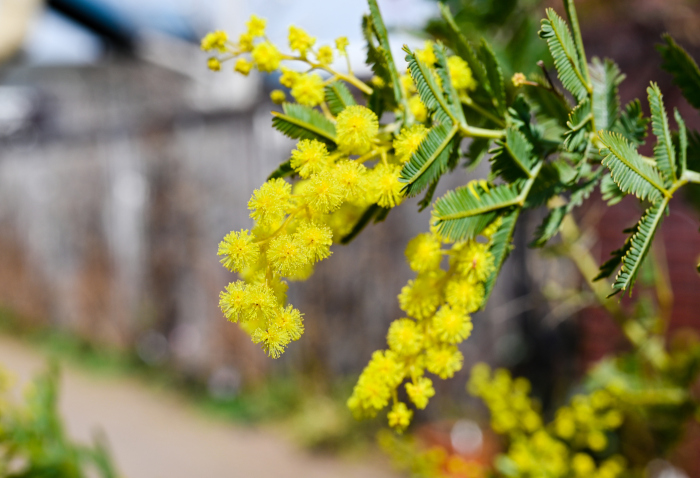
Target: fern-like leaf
{"x":338,"y":97}
{"x":464,"y":212}
{"x":682,"y":143}
{"x":494,"y":74}
{"x":428,"y":89}
{"x":301,"y":122}
{"x":501,"y":247}
{"x":608,"y":267}
{"x":513,"y":160}
{"x":686,"y":74}
{"x":549,"y":226}
{"x":563,"y":50}
{"x":629,"y":170}
{"x":639,"y":246}
{"x":610,"y":191}
{"x":383,"y":37}
{"x":663,"y":150}
{"x":462,"y":46}
{"x":580,"y":118}
{"x":285,"y":169}
{"x":443,"y":71}
{"x":605,"y":78}
{"x":632,"y":123}
{"x":430,"y":161}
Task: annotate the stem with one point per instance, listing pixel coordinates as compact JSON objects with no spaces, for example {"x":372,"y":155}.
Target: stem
{"x":352,"y":79}
{"x":475,"y":132}
{"x":470,"y":103}
{"x":691,"y":176}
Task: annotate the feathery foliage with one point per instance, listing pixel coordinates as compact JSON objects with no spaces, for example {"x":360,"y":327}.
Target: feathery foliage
{"x":605,"y":78}
{"x":663,"y":150}
{"x":501,"y":247}
{"x":685,"y":71}
{"x":513,"y":159}
{"x":302,"y":122}
{"x":431,"y":159}
{"x":338,"y":97}
{"x":632,"y":123}
{"x":580,"y":119}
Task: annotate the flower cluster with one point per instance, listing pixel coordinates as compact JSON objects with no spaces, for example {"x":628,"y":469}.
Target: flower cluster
{"x":438,"y":303}
{"x":567,"y":447}
{"x":254,"y":50}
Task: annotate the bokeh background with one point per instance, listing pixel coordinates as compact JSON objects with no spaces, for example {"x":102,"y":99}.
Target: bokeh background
{"x":124,"y":161}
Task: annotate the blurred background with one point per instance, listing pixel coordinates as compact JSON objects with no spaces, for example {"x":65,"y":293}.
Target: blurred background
{"x":124,"y":162}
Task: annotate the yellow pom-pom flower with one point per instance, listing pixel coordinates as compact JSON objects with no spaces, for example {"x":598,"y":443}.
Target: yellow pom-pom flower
{"x":444,"y":361}
{"x":300,"y":41}
{"x":583,"y":465}
{"x":271,"y":201}
{"x":341,"y":44}
{"x":473,"y":259}
{"x":243,"y":66}
{"x":238,"y":250}
{"x":245,"y":42}
{"x":427,"y":54}
{"x":421,"y":297}
{"x":310,"y":157}
{"x":266,"y":56}
{"x":464,"y":294}
{"x":315,"y":239}
{"x":424,"y":253}
{"x":352,"y":177}
{"x":232,"y":301}
{"x":289,"y":320}
{"x":451,"y":325}
{"x":272,"y":339}
{"x":287,"y":254}
{"x":404,"y":337}
{"x":259,"y":302}
{"x":324,"y":193}
{"x":325,"y":55}
{"x":256,"y":26}
{"x":308,"y":89}
{"x":356,"y":128}
{"x":407,"y":142}
{"x":214,"y":41}
{"x":385,"y":185}
{"x":420,"y":392}
{"x":460,"y":74}
{"x":278,"y":97}
{"x":400,"y":416}
{"x":289,"y":77}
{"x":214,"y":64}
{"x":418,"y":109}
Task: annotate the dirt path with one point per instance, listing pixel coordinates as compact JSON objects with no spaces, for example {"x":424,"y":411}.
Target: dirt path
{"x":154,"y":434}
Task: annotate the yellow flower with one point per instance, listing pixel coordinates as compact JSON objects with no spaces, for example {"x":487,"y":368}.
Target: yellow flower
{"x":271,"y":201}
{"x":407,"y":142}
{"x":491,"y":229}
{"x":287,"y":254}
{"x":427,"y":54}
{"x":352,"y":177}
{"x":518,"y":79}
{"x":421,"y":297}
{"x":460,"y":74}
{"x":464,"y":294}
{"x":277,"y":96}
{"x":424,"y":253}
{"x":385,"y":185}
{"x":289,"y":77}
{"x":232,"y":301}
{"x":404,"y":338}
{"x":245,"y":42}
{"x":256,"y":26}
{"x":243,"y":66}
{"x":324,"y":194}
{"x":377,"y":81}
{"x":420,"y":112}
{"x":597,"y":440}
{"x":308,"y":89}
{"x":420,"y":391}
{"x":259,"y":302}
{"x":444,"y":361}
{"x":266,"y":56}
{"x":290,"y":322}
{"x":451,"y":325}
{"x":341,"y":43}
{"x":315,"y":239}
{"x":325,"y":55}
{"x":272,"y":339}
{"x":473,"y":260}
{"x":299,"y":40}
{"x":214,"y":64}
{"x":583,"y":465}
{"x":310,"y":157}
{"x":356,"y":128}
{"x":214,"y":41}
{"x":409,"y":87}
{"x":238,"y":250}
{"x":400,"y":416}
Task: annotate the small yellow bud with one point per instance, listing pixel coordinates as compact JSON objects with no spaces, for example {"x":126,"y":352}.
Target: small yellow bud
{"x":341,"y":44}
{"x":278,"y":96}
{"x":214,"y":64}
{"x":243,"y":66}
{"x":325,"y":55}
{"x":266,"y":56}
{"x":256,"y":26}
{"x":299,"y":40}
{"x":519,"y":80}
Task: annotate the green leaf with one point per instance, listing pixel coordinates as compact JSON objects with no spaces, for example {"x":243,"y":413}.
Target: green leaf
{"x":610,"y":191}
{"x":428,"y":198}
{"x":566,"y":60}
{"x":605,"y":78}
{"x":686,"y":74}
{"x":611,"y":265}
{"x":431,"y":160}
{"x":464,"y":212}
{"x":632,"y":123}
{"x":443,"y":71}
{"x":494,"y":75}
{"x":302,"y":122}
{"x":428,"y":89}
{"x":682,"y":143}
{"x":501,"y":247}
{"x":380,"y":30}
{"x":476,"y":151}
{"x":639,"y":246}
{"x":629,"y":170}
{"x":580,"y":118}
{"x":512,"y":160}
{"x":338,"y":97}
{"x":285,"y":169}
{"x":664,"y":153}
{"x":547,"y":184}
{"x":372,"y":212}
{"x":463,"y":48}
{"x":549,"y":226}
